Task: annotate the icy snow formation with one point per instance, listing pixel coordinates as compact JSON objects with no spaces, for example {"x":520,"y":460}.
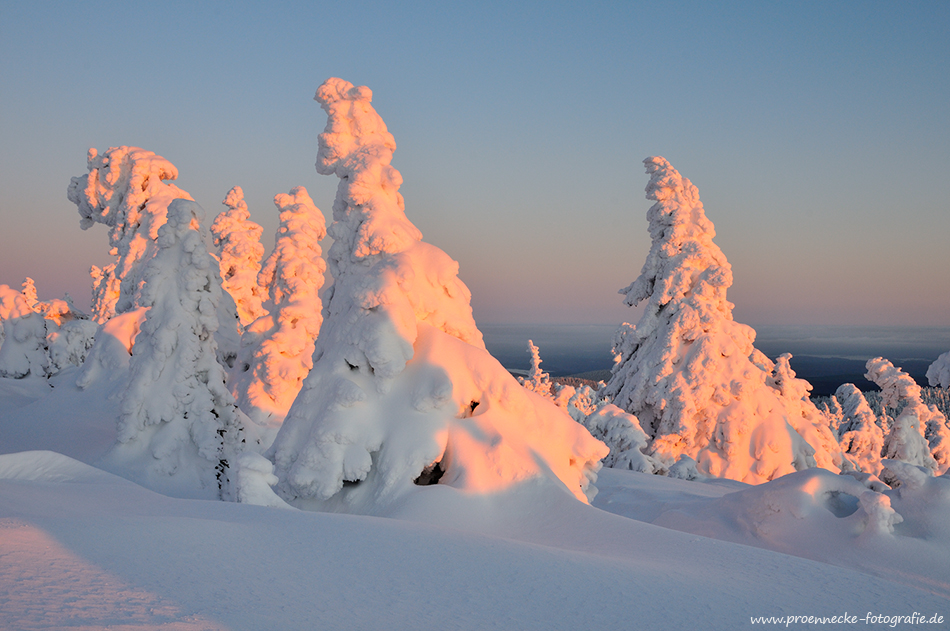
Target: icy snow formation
{"x":938,"y":373}
{"x":690,"y":373}
{"x":402,"y":388}
{"x":862,"y":439}
{"x":277,"y":348}
{"x":238,"y":240}
{"x":919,"y":435}
{"x":179,"y":424}
{"x":125,"y":189}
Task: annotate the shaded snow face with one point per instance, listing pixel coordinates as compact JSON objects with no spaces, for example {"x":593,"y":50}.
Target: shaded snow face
{"x":402,"y":389}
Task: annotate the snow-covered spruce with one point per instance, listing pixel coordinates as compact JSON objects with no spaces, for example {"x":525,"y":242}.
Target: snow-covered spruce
{"x":238,"y":240}
{"x":69,"y":332}
{"x":938,"y":373}
{"x":277,"y":348}
{"x":23,"y":349}
{"x":537,"y":380}
{"x":689,"y":372}
{"x":402,"y":389}
{"x":178,"y":426}
{"x":125,"y":189}
{"x":861,"y":438}
{"x":919,"y":434}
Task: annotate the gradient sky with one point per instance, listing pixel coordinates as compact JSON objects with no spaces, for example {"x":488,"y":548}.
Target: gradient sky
{"x":818,"y":134}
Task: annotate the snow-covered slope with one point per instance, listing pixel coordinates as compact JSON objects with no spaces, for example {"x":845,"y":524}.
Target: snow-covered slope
{"x":84,"y":549}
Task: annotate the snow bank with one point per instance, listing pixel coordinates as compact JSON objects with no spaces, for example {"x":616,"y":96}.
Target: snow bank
{"x":402,"y":389}
{"x":690,"y":373}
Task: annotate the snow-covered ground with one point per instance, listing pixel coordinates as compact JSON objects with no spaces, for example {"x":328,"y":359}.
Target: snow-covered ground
{"x":83,"y":548}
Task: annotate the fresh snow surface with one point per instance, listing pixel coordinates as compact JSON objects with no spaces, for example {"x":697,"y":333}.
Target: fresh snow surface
{"x":81,"y":548}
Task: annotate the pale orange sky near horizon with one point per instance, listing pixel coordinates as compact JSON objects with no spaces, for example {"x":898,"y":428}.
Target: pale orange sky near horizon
{"x":816,"y":134}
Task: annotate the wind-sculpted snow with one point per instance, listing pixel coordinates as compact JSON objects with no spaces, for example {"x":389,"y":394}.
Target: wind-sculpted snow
{"x":125,"y":189}
{"x":690,"y":373}
{"x":277,"y":348}
{"x":239,"y":243}
{"x":402,"y":388}
{"x":178,"y":425}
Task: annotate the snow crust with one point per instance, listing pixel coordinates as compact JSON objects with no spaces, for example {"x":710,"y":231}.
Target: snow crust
{"x":402,"y":389}
{"x":691,"y":374}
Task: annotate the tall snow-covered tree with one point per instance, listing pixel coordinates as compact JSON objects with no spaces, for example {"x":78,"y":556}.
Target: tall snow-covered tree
{"x":919,"y":434}
{"x":125,"y":189}
{"x":688,"y":371}
{"x":402,"y":389}
{"x":862,"y":439}
{"x":277,"y":348}
{"x":179,"y":425}
{"x":238,"y":240}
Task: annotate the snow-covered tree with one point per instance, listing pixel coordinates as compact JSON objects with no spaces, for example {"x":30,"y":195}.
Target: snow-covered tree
{"x":277,"y":348}
{"x":622,"y":433}
{"x":402,"y":389}
{"x":23,"y":343}
{"x":238,"y":240}
{"x":804,"y":416}
{"x":919,"y":434}
{"x":687,"y":370}
{"x":179,"y":425}
{"x":861,"y":438}
{"x":938,"y":373}
{"x":125,"y":189}
{"x":537,"y":380}
{"x":69,"y":332}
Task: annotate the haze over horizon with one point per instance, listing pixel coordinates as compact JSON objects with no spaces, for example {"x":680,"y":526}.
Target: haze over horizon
{"x":817,"y":135}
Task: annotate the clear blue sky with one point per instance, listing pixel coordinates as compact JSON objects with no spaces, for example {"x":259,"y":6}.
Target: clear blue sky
{"x":818,"y":134}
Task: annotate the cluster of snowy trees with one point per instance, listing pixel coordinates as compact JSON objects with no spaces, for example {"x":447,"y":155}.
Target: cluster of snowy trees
{"x":241,"y":376}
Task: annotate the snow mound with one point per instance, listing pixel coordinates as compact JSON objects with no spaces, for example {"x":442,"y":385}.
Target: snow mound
{"x":49,"y":466}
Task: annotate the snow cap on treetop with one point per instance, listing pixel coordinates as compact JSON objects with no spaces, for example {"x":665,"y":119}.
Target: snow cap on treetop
{"x":355,"y":146}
